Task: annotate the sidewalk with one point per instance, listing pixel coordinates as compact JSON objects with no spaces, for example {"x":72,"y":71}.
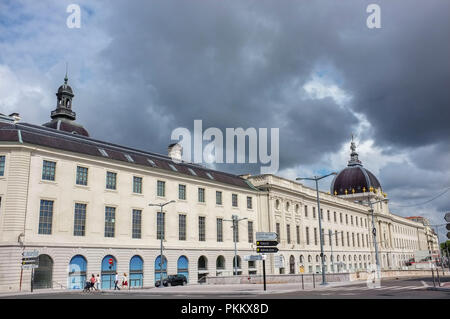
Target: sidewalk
{"x":238,"y":289}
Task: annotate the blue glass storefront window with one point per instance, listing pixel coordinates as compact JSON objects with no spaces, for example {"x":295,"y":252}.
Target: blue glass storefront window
{"x":77,"y":272}
{"x":108,"y":272}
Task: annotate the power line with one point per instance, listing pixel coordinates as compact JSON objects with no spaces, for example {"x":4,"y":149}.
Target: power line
{"x":426,"y":202}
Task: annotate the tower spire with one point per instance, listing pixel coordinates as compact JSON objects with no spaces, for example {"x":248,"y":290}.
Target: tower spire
{"x":66,"y":78}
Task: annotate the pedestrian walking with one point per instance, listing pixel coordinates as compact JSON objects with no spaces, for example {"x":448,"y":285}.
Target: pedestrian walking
{"x":124,"y":281}
{"x":98,"y":282}
{"x":116,"y":282}
{"x":92,"y":282}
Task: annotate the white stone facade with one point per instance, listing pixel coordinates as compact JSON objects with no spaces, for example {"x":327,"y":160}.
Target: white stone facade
{"x":279,"y":201}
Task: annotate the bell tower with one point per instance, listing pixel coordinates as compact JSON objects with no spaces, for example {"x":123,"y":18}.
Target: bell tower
{"x":64,"y":98}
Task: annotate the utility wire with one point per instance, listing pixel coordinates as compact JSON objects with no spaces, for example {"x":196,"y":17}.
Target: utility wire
{"x":426,"y":202}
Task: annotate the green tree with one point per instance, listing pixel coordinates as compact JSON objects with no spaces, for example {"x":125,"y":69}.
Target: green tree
{"x":445,"y":248}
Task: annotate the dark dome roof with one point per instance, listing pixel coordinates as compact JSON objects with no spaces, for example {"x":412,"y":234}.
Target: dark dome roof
{"x":65,"y":88}
{"x":67,"y":126}
{"x":354,"y":177}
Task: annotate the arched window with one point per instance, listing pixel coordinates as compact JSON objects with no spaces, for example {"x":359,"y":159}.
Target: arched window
{"x":292,"y":265}
{"x":202,"y":266}
{"x":202,"y":263}
{"x":301,"y":259}
{"x":77,"y":272}
{"x":136,"y":271}
{"x":220,"y":265}
{"x":317,"y":258}
{"x":183,"y":267}
{"x":277,"y":204}
{"x":43,"y":275}
{"x":160,"y":271}
{"x":309,"y":258}
{"x":287,"y":206}
{"x":109,"y":267}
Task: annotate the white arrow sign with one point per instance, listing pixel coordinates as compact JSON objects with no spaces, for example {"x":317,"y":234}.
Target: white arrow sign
{"x":30,"y":254}
{"x":260,"y":236}
{"x":254,"y":257}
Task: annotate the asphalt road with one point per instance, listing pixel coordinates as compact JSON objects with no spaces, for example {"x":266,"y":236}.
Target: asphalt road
{"x":405,"y":288}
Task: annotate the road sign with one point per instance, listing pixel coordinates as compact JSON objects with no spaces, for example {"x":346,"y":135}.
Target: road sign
{"x":254,"y":257}
{"x":266,"y":243}
{"x":278,"y":261}
{"x":30,"y":254}
{"x":30,"y":266}
{"x":266,"y":249}
{"x":261,"y":236}
{"x":111,"y":261}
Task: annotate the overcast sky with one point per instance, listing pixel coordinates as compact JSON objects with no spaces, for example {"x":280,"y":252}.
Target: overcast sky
{"x":313,"y":69}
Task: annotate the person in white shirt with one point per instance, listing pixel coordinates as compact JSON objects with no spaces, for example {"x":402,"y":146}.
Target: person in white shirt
{"x":116,"y":282}
{"x":98,"y":282}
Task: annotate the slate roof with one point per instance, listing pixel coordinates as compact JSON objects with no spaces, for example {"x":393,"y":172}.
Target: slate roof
{"x":52,"y":138}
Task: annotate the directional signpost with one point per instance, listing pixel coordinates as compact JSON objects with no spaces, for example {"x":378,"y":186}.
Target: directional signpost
{"x":30,"y":260}
{"x":266,"y":242}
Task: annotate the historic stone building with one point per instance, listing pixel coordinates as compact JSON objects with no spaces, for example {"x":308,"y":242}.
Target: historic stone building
{"x":84,"y":205}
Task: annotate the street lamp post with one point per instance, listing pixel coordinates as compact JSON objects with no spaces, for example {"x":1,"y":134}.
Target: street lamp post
{"x":316,"y":179}
{"x":374,"y":232}
{"x":235,"y":219}
{"x":161,"y":234}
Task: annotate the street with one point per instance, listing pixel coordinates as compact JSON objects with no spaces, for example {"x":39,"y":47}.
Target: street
{"x":404,"y":288}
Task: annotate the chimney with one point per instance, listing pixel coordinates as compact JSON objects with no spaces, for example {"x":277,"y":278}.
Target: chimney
{"x":15,"y":117}
{"x":174,"y":151}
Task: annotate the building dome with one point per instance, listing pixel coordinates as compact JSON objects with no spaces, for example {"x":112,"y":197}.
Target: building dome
{"x":67,"y":126}
{"x":354,"y":178}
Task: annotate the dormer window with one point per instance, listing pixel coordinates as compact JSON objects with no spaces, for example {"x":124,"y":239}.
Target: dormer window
{"x":129,"y":158}
{"x":192,"y":171}
{"x":103,"y":152}
{"x":173,"y":168}
{"x":152,"y":163}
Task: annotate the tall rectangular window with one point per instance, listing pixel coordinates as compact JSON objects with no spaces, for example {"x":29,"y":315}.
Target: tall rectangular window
{"x":278,"y":231}
{"x":137,"y":185}
{"x":218,"y":198}
{"x":249,"y":202}
{"x":2,"y":165}
{"x":110,"y":221}
{"x":79,"y":226}
{"x":182,"y":192}
{"x":306,"y":211}
{"x":82,"y":175}
{"x":236,"y":231}
{"x":48,"y":170}
{"x":330,"y":235}
{"x":342,"y":238}
{"x":307,"y":235}
{"x":321,"y":213}
{"x":340,"y":217}
{"x":328,"y":215}
{"x":250,"y":232}
{"x":111,"y":179}
{"x":357,"y":239}
{"x":182,"y":227}
{"x":201,"y":228}
{"x":160,"y":225}
{"x":137,"y":223}
{"x":336,"y":237}
{"x":201,"y":195}
{"x":335,"y":217}
{"x":297,"y":229}
{"x":45,"y":217}
{"x":315,"y":236}
{"x":234,"y":200}
{"x":161,"y":188}
{"x":288,"y":233}
{"x":314,"y":212}
{"x":348,"y":239}
{"x":353,"y":239}
{"x":219,"y":229}
{"x":346,"y":219}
